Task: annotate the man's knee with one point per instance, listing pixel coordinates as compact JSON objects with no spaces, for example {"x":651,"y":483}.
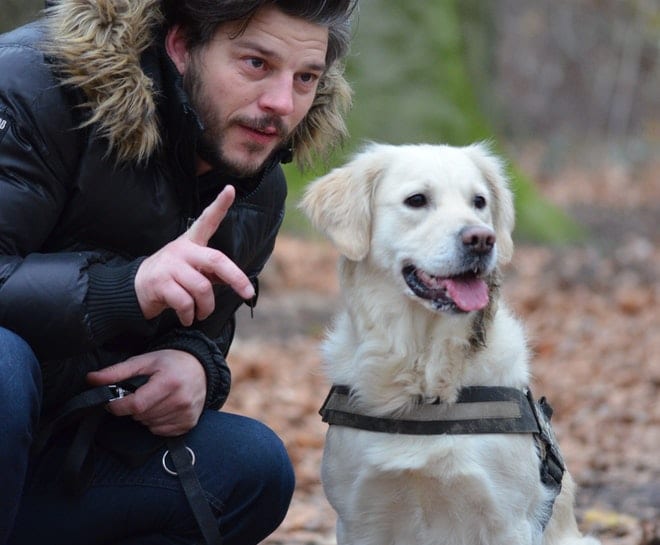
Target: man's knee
{"x":269,"y":464}
{"x":267,"y":482}
{"x":263,"y":462}
{"x":20,"y":376}
{"x":20,"y":401}
{"x":258,"y":480}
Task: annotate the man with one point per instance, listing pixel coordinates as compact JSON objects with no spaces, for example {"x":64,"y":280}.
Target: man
{"x":140,"y":197}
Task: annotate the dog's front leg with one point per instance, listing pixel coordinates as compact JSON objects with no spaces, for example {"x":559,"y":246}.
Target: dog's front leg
{"x":562,"y":528}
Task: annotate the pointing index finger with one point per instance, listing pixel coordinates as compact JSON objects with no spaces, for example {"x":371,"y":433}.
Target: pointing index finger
{"x":207,"y":223}
{"x":200,"y":233}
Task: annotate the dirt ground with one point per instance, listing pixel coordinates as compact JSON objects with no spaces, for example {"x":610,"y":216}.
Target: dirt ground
{"x":591,"y":311}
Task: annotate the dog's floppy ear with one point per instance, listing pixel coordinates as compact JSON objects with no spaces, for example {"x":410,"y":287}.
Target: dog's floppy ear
{"x":492,"y":167}
{"x":339,"y":203}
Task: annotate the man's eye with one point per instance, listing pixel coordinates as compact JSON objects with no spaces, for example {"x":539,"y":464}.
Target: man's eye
{"x":308,"y":77}
{"x":256,"y":63}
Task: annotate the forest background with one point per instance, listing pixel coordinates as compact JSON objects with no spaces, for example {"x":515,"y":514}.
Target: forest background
{"x":569,"y":92}
{"x":572,"y":77}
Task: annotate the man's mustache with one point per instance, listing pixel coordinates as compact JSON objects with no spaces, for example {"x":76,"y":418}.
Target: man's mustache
{"x":263,"y":123}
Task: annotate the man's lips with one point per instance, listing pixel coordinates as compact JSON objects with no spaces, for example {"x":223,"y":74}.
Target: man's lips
{"x":265,"y":135}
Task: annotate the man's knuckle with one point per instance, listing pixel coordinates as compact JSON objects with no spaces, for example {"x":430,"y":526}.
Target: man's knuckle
{"x":218,"y":259}
{"x":202,"y":287}
{"x":139,"y":406}
{"x":183,"y":304}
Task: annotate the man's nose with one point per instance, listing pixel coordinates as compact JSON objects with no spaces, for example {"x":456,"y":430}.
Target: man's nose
{"x":278,"y":96}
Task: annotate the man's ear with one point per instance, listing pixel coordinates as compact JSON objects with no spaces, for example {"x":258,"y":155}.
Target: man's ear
{"x":177,"y":47}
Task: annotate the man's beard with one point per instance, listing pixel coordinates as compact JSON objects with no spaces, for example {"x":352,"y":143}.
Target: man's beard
{"x":210,"y":143}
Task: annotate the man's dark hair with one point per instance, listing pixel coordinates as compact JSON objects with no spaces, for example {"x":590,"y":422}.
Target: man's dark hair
{"x":200,"y":18}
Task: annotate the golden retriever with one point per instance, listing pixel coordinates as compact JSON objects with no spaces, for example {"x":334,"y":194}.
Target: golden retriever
{"x":424,"y":231}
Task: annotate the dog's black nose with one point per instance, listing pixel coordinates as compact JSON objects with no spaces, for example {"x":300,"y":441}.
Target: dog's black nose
{"x":478,"y":239}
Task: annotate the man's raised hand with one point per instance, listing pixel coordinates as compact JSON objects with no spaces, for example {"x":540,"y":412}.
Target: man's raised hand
{"x":182,"y":273}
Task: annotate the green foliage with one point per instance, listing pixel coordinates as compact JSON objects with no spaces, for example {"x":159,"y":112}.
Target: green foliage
{"x":410,"y":70}
{"x":410,"y":77}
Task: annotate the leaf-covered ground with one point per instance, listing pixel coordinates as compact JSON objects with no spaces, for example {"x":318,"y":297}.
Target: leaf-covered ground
{"x":592,"y":314}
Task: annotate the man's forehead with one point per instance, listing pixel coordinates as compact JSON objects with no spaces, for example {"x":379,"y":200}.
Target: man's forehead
{"x":274,"y":32}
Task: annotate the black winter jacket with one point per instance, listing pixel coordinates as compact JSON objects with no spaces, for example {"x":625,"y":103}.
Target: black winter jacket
{"x":94,"y":178}
{"x":75,"y":224}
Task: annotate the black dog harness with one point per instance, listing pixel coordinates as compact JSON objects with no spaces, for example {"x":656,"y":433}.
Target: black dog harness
{"x":478,"y":410}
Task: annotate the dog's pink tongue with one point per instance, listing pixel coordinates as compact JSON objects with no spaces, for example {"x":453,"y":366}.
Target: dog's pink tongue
{"x":468,"y":293}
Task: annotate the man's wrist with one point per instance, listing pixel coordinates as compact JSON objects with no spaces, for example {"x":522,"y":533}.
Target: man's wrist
{"x":218,"y":375}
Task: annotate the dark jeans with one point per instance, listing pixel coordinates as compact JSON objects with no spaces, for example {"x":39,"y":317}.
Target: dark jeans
{"x":241,"y":464}
{"x":20,"y":396}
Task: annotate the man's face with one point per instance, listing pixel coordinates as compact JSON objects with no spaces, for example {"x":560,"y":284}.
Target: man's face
{"x":252,"y":89}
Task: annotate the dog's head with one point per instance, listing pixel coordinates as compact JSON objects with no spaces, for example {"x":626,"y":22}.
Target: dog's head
{"x":437,"y":218}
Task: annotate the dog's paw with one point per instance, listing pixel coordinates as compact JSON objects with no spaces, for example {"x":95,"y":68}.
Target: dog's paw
{"x":445,"y":392}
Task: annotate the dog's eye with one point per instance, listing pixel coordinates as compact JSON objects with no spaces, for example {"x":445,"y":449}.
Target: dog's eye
{"x":479,"y":202}
{"x":416,"y":201}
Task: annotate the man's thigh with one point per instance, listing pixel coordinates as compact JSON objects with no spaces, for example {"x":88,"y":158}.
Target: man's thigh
{"x":241,"y":465}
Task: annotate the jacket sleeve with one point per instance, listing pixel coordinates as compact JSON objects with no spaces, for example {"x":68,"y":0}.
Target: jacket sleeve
{"x":60,"y":302}
{"x":41,"y":294}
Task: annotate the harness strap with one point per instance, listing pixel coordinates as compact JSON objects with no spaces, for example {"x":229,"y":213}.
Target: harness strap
{"x":183,"y":462}
{"x":478,"y":410}
{"x":78,"y":464}
{"x":86,"y":410}
{"x":552,"y":462}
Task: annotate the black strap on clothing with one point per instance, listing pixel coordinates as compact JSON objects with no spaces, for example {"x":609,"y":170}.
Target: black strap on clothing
{"x":183,"y":462}
{"x":86,"y":411}
{"x":79,"y":406}
{"x":478,"y":410}
{"x":79,"y":462}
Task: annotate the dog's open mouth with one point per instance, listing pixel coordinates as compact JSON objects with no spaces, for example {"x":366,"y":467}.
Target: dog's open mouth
{"x":465,"y":292}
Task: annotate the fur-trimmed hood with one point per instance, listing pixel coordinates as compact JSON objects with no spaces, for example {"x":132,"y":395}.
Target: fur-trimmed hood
{"x":97,"y":46}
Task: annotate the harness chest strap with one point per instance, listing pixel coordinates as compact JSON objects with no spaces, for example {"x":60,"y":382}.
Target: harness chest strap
{"x":478,"y":410}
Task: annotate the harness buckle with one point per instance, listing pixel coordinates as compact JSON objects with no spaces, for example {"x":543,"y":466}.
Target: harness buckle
{"x":552,"y":462}
{"x":118,"y":392}
{"x":126,"y":387}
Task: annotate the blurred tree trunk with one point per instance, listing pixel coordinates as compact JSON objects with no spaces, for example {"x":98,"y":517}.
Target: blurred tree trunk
{"x":421,"y":73}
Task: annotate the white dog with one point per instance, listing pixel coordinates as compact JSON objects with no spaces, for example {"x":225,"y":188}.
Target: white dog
{"x":415,"y":455}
